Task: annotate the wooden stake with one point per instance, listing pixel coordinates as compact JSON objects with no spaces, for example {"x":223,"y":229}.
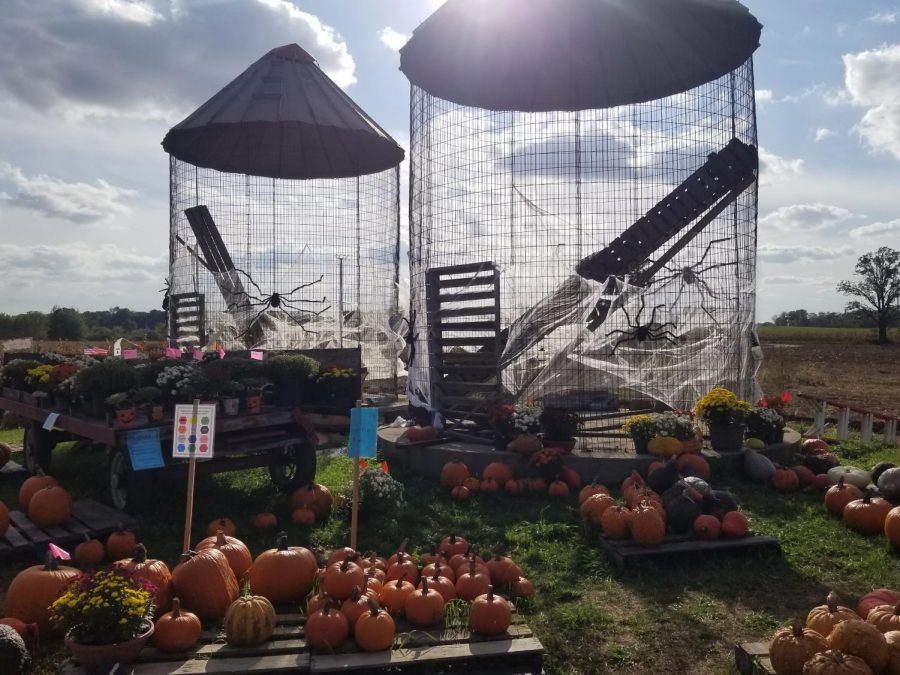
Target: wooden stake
{"x":354,"y":511}
{"x":192,"y":470}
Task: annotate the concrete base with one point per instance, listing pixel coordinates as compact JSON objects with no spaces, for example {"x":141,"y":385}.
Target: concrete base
{"x":427,"y":459}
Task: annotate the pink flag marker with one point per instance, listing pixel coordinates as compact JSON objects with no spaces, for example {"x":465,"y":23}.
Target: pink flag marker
{"x":128,"y":354}
{"x":59,"y":553}
{"x":256,"y":356}
{"x":198,"y":355}
{"x":221,"y":352}
{"x":173,"y":353}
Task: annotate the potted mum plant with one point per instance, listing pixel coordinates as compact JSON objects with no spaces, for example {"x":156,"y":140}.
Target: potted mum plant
{"x":641,"y":430}
{"x":96,"y":382}
{"x":725,"y":416}
{"x":107,"y":616}
{"x":230,"y":397}
{"x":765,"y":424}
{"x":560,"y":427}
{"x":291,"y":375}
{"x":149,"y":398}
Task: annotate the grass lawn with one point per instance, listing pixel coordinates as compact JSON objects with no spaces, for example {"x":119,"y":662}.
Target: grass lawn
{"x":673,"y":615}
{"x":814,"y":335}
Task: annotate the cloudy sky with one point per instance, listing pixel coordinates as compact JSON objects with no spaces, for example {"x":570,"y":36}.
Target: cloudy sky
{"x":88,"y":89}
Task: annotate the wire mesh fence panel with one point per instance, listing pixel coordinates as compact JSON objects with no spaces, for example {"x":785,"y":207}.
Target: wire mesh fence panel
{"x":291,"y":264}
{"x":625,"y":240}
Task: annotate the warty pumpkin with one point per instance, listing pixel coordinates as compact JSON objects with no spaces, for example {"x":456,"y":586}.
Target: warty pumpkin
{"x":885,"y":618}
{"x":861,"y":639}
{"x":89,"y":552}
{"x":176,"y":631}
{"x":425,"y":606}
{"x":327,"y":629}
{"x":490,"y":614}
{"x":453,"y":473}
{"x":154,"y":571}
{"x":867,"y":515}
{"x":33,"y":590}
{"x":472,"y":583}
{"x":838,"y":496}
{"x":835,"y":662}
{"x":236,"y":552}
{"x":205,"y":583}
{"x":225,"y":524}
{"x":824,"y":618}
{"x":14,"y":656}
{"x":250,"y":621}
{"x":374,"y":629}
{"x":793,"y":646}
{"x":31,"y":485}
{"x":283,"y":574}
{"x":892,"y":526}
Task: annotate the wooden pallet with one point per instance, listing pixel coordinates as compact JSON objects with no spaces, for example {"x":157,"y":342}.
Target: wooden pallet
{"x":752,"y":658}
{"x":24,"y":538}
{"x":416,"y":650}
{"x":621,"y":552}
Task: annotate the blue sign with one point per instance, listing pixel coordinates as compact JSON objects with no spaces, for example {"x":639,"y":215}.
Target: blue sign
{"x":363,"y":432}
{"x":144,"y":449}
{"x":50,"y":421}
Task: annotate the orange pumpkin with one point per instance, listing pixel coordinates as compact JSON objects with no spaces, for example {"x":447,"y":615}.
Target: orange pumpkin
{"x":283,"y":574}
{"x":867,"y":515}
{"x":839,"y":495}
{"x":354,"y":606}
{"x":616,"y":522}
{"x":50,"y":506}
{"x":558,"y":488}
{"x":265,"y":521}
{"x":514,"y":487}
{"x":647,"y":526}
{"x":120,"y":544}
{"x":472,"y":583}
{"x":339,"y":555}
{"x":880,"y":596}
{"x":593,"y":508}
{"x":785,"y":480}
{"x":314,"y":497}
{"x":440,"y":570}
{"x":453,"y":544}
{"x":892,"y":526}
{"x":32,"y":485}
{"x":734,"y":525}
{"x":154,"y":571}
{"x":522,"y":588}
{"x":424,"y":607}
{"x":341,"y":578}
{"x":590,"y":490}
{"x":33,"y":590}
{"x":571,"y":477}
{"x":472,"y":484}
{"x":824,"y":618}
{"x":693,"y":464}
{"x":404,"y":566}
{"x":304,"y":517}
{"x":441,"y":583}
{"x":498,"y":471}
{"x":885,"y":617}
{"x":453,"y":473}
{"x":490,"y":614}
{"x":176,"y":631}
{"x":502,"y":570}
{"x":374,"y":629}
{"x":4,"y":519}
{"x":89,"y":552}
{"x":460,"y":493}
{"x":326,"y":629}
{"x":537,"y":485}
{"x":205,"y":583}
{"x":394,"y":593}
{"x":489,"y":486}
{"x":237,"y":553}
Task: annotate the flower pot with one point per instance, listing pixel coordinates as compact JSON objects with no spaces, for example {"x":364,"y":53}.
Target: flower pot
{"x":253,"y":402}
{"x":231,"y":406}
{"x":101,"y":658}
{"x":726,"y":438}
{"x":125,"y":416}
{"x":640,"y":445}
{"x":567,"y":444}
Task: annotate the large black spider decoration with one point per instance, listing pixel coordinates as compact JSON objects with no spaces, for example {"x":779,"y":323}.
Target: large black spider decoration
{"x":165,"y":291}
{"x":277,"y":301}
{"x":689,"y":275}
{"x":642,"y":332}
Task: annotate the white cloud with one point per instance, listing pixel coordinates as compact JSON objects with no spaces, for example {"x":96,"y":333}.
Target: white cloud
{"x":872,"y":80}
{"x":792,"y":254}
{"x":764,"y":96}
{"x":126,"y":10}
{"x":823,"y":134}
{"x":794,"y":280}
{"x":888,"y":16}
{"x":392,"y":38}
{"x":78,"y":262}
{"x":882,"y":230}
{"x":75,"y":202}
{"x":806,"y":217}
{"x":148,"y":58}
{"x":775,"y":167}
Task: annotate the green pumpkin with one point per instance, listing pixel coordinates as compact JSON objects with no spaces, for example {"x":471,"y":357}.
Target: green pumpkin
{"x":14,"y":657}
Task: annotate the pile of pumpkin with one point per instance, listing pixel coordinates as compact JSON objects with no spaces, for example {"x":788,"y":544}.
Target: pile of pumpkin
{"x":42,"y":499}
{"x":839,"y":641}
{"x":853,"y":500}
{"x":675,"y":497}
{"x":499,"y":477}
{"x":204,"y":586}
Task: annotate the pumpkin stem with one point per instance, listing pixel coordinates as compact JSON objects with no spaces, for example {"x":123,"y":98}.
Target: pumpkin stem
{"x":373,"y":606}
{"x":472,"y":568}
{"x":345,"y":565}
{"x":838,"y":655}
{"x":897,"y":609}
{"x":220,"y":539}
{"x":832,"y":602}
{"x":867,"y":498}
{"x":402,"y":547}
{"x":176,"y":608}
{"x":424,"y":585}
{"x":140,"y":554}
{"x":51,"y":564}
{"x":355,"y":593}
{"x":400,"y":579}
{"x":490,"y":594}
{"x":437,"y":571}
{"x":840,"y":483}
{"x":281,"y":541}
{"x":797,"y":628}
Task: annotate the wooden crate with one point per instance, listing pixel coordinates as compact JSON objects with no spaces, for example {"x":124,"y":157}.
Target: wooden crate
{"x":24,"y":538}
{"x":621,"y":552}
{"x":752,"y":658}
{"x":416,"y":651}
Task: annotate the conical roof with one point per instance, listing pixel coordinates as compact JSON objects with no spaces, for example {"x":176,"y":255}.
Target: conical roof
{"x":284,"y":118}
{"x":541,"y":55}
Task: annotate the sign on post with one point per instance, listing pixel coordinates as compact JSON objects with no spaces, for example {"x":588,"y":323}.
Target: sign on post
{"x":145,"y":449}
{"x":363,"y":440}
{"x":194,"y":432}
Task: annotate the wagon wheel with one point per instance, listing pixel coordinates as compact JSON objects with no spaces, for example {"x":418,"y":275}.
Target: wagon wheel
{"x":293,"y":466}
{"x":37,"y":448}
{"x":126,"y":488}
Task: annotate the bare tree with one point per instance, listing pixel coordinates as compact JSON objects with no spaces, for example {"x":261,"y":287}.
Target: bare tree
{"x":879,"y":288}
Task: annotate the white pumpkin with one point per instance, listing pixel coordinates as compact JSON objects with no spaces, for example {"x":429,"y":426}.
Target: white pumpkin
{"x":851,"y":475}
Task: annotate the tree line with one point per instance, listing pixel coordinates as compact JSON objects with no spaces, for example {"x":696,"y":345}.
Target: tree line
{"x":66,"y":323}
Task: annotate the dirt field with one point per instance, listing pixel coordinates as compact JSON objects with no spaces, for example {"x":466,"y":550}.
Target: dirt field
{"x":856,"y":373}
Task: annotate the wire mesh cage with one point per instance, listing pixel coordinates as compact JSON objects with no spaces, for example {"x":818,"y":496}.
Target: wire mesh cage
{"x":619,"y":241}
{"x":291,"y":240}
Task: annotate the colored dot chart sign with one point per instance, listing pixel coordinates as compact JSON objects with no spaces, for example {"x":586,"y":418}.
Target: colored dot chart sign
{"x":194,"y":432}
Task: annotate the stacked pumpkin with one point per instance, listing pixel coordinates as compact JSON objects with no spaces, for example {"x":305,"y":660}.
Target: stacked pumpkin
{"x":310,"y":504}
{"x":675,"y":497}
{"x":837,"y":639}
{"x":362,"y":596}
{"x":499,"y":477}
{"x":46,"y":503}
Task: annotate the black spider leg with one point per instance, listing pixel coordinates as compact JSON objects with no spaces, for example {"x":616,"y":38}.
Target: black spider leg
{"x":252,"y":281}
{"x":627,"y":336}
{"x":265,"y":306}
{"x":706,"y":252}
{"x":302,"y":310}
{"x":300,"y":288}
